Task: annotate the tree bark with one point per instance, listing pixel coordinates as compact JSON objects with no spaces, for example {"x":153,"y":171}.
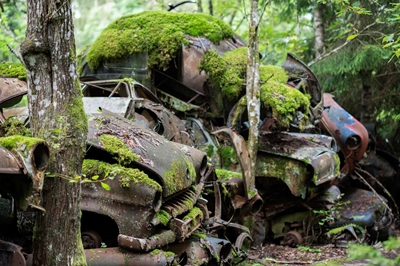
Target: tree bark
{"x":319,"y":29}
{"x":199,"y":6}
{"x":210,"y":7}
{"x":253,"y":89}
{"x":56,"y":115}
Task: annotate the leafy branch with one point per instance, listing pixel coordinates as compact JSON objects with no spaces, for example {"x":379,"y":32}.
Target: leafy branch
{"x":83,"y":179}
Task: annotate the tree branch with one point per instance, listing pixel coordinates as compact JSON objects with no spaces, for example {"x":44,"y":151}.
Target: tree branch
{"x":323,"y":56}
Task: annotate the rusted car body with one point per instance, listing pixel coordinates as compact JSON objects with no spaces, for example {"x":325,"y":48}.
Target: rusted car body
{"x":154,"y":205}
{"x":349,"y":133}
{"x":23,"y":161}
{"x":133,"y":101}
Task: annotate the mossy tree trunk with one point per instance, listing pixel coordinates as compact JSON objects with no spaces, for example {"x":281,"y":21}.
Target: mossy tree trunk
{"x":253,"y":89}
{"x":56,"y":115}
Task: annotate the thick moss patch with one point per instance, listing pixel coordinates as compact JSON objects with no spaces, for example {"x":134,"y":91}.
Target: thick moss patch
{"x":14,"y":127}
{"x":126,"y":175}
{"x":13,"y":70}
{"x":163,"y":216}
{"x":227,"y":73}
{"x":225,"y":175}
{"x":17,"y":142}
{"x":117,"y":147}
{"x":159,"y":33}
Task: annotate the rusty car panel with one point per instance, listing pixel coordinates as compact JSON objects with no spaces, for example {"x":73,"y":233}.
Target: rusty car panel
{"x":350,"y":135}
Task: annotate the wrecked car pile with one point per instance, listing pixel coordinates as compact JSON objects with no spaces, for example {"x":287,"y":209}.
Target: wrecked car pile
{"x":198,"y":205}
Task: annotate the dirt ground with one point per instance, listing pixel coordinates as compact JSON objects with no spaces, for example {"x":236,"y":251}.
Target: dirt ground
{"x":272,"y":254}
{"x":319,"y":255}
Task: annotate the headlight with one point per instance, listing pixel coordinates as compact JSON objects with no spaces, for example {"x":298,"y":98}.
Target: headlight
{"x":353,"y":142}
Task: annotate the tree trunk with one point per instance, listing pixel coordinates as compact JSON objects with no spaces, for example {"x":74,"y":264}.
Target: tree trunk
{"x":57,"y":115}
{"x":199,"y":6}
{"x":319,"y":29}
{"x":253,"y":89}
{"x":210,"y":7}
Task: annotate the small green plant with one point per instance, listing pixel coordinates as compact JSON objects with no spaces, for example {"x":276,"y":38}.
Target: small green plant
{"x":329,"y":216}
{"x":374,"y":256}
{"x":309,"y":249}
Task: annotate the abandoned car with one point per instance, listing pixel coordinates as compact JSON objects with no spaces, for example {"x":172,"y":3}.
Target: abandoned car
{"x":184,"y":210}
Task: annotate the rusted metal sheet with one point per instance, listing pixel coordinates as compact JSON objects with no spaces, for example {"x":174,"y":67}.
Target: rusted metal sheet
{"x":11,"y":88}
{"x":350,"y":135}
{"x":23,"y":165}
{"x":11,"y":254}
{"x":303,"y":79}
{"x":289,"y":157}
{"x":116,"y":105}
{"x":124,"y":205}
{"x":148,"y":244}
{"x":9,"y":163}
{"x":172,"y":171}
{"x":364,"y":208}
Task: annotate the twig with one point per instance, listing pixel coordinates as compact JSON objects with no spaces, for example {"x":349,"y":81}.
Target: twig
{"x":262,"y":261}
{"x":316,"y":60}
{"x":384,"y":189}
{"x":373,"y":190}
{"x":16,"y":53}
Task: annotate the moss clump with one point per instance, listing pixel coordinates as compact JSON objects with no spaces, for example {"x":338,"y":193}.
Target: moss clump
{"x":14,"y":127}
{"x":126,"y":175}
{"x":270,"y":73}
{"x":18,"y":142}
{"x":163,"y":216}
{"x":175,"y":177}
{"x":225,"y":175}
{"x":227,"y":72}
{"x":13,"y":70}
{"x":117,"y":147}
{"x":159,"y":33}
{"x":199,"y":235}
{"x":285,"y":103}
{"x":193,"y":214}
{"x":228,"y":156}
{"x":167,"y":254}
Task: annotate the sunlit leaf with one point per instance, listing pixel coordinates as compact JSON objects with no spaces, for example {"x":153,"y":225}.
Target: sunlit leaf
{"x":351,"y":37}
{"x":105,"y":186}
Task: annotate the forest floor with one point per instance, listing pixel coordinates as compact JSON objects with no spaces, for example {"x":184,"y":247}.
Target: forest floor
{"x":318,"y":255}
{"x":315,"y":255}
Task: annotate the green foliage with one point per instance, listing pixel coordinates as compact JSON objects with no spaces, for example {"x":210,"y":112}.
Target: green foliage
{"x":12,"y":28}
{"x":309,"y":249}
{"x":135,"y":34}
{"x":327,"y":217}
{"x":374,"y":256}
{"x":341,"y":229}
{"x":13,"y":70}
{"x":14,"y":126}
{"x":228,"y":156}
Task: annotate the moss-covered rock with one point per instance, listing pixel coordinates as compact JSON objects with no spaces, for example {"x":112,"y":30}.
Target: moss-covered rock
{"x":159,"y":33}
{"x":13,"y":70}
